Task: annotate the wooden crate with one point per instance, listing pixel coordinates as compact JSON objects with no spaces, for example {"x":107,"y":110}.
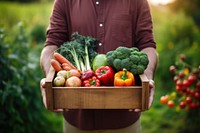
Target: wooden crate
{"x":97,"y":97}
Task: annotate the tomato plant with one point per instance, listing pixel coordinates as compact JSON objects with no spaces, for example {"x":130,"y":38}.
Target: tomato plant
{"x":187,"y":86}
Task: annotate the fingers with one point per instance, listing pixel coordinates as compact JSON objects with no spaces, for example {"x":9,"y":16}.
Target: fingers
{"x":60,"y":110}
{"x":151,"y":95}
{"x":42,"y":83}
{"x":135,"y":110}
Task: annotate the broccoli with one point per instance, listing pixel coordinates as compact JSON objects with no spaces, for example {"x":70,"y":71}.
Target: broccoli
{"x":134,"y":58}
{"x":126,"y":63}
{"x":129,"y":58}
{"x":144,"y":60}
{"x":117,"y":64}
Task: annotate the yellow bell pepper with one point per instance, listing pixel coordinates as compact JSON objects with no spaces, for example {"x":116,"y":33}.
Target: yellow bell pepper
{"x":124,"y":78}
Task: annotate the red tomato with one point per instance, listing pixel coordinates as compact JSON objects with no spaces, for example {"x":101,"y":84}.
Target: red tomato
{"x":179,"y":83}
{"x":170,"y":104}
{"x":186,"y":83}
{"x":172,"y":69}
{"x":178,"y":88}
{"x":182,"y":105}
{"x":181,"y":74}
{"x":175,"y":78}
{"x":197,"y":95}
{"x":191,"y":79}
{"x":188,"y":100}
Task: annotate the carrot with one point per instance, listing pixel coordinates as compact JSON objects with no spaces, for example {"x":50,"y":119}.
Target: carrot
{"x":56,"y":65}
{"x":62,"y":60}
{"x":66,"y":67}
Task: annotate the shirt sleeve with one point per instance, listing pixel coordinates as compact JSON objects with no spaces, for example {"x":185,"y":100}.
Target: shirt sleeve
{"x":144,"y":33}
{"x":57,"y":30}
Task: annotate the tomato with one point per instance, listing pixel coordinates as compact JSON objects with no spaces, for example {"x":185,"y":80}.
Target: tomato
{"x":172,"y":69}
{"x":175,"y":78}
{"x":185,"y":83}
{"x":191,"y":79}
{"x":170,"y":104}
{"x":182,"y":105}
{"x":188,"y":100}
{"x":179,"y":82}
{"x":181,"y":74}
{"x":178,"y":88}
{"x":164,"y":99}
{"x":197,"y":95}
{"x":198,"y":85}
{"x":193,"y":106}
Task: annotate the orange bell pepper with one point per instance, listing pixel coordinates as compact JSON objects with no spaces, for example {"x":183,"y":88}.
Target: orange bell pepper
{"x":124,"y":78}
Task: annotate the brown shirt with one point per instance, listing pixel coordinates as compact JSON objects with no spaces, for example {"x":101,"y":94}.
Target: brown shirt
{"x":114,"y":23}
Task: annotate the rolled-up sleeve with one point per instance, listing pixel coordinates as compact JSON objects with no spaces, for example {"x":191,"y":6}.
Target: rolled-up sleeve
{"x":144,"y":33}
{"x":57,"y":30}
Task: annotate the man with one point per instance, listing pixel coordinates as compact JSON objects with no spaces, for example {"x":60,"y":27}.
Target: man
{"x":113,"y":23}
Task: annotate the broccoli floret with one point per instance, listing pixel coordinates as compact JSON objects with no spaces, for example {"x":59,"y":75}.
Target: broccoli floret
{"x":117,"y":64}
{"x":110,"y":58}
{"x":134,"y":49}
{"x":122,"y":52}
{"x":144,"y":60}
{"x":134,"y":69}
{"x":140,"y":69}
{"x":125,"y":63}
{"x":134,"y":58}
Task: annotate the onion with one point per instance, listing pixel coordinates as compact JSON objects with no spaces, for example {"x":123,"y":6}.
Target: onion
{"x":73,"y":81}
{"x":75,"y":72}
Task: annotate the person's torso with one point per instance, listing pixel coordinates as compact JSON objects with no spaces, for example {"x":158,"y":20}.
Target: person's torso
{"x":112,"y":22}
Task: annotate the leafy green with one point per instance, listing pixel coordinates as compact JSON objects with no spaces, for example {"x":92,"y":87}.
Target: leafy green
{"x":80,"y":51}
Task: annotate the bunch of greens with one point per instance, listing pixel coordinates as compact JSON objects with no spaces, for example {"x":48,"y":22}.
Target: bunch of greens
{"x":80,"y":51}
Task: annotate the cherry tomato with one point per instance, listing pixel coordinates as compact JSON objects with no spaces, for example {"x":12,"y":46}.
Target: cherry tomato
{"x":186,"y":83}
{"x":170,"y":104}
{"x":181,"y":74}
{"x":175,"y":78}
{"x":197,"y":95}
{"x":182,"y":105}
{"x":191,"y":79}
{"x":178,"y":88}
{"x":172,"y":69}
{"x":179,"y":82}
{"x":188,"y":100}
{"x":164,"y":99}
{"x":198,"y":85}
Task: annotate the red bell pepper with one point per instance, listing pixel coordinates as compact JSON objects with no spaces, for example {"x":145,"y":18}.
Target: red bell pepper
{"x":106,"y":75}
{"x":93,"y":81}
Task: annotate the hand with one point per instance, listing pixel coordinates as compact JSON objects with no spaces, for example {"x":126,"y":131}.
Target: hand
{"x":151,"y":95}
{"x":151,"y":91}
{"x":42,"y":88}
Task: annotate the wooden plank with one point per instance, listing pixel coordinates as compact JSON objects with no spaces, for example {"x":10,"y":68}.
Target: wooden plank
{"x":49,"y":90}
{"x":98,"y":98}
{"x":145,"y":91}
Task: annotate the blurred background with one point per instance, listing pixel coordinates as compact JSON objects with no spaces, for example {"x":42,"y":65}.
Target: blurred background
{"x":22,"y":34}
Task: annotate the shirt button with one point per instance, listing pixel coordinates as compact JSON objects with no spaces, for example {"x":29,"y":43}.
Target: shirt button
{"x":97,"y":2}
{"x":100,"y":25}
{"x":100,"y":44}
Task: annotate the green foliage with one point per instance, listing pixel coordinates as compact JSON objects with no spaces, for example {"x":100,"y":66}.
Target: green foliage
{"x":21,"y":109}
{"x":190,"y":7}
{"x":38,"y":33}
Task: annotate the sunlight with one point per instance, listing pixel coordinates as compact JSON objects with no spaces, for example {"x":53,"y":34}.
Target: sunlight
{"x":160,"y":2}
